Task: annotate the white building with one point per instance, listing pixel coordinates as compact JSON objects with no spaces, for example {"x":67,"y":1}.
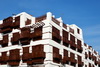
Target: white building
{"x":43,"y":42}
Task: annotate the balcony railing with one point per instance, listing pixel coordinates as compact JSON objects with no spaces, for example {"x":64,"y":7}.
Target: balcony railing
{"x":41,"y":18}
{"x":4,"y":58}
{"x":38,"y":54}
{"x":15,"y":38}
{"x":5,"y":41}
{"x":55,"y":21}
{"x":14,"y":57}
{"x":72,"y":58}
{"x":56,"y":57}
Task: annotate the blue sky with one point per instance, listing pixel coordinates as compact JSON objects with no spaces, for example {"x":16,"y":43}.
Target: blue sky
{"x":84,"y":13}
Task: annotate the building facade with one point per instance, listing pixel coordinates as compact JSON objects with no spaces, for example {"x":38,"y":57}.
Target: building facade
{"x":27,"y":41}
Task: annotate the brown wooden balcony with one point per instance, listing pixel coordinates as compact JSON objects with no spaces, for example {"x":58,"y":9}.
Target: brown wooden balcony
{"x":25,"y":41}
{"x":15,"y":38}
{"x":37,"y":48}
{"x":56,"y":57}
{"x":56,"y":35}
{"x":65,"y":41}
{"x":72,"y":58}
{"x":38,"y":55}
{"x":14,"y":63}
{"x":55,"y":21}
{"x":14,"y":55}
{"x":25,"y":36}
{"x":86,"y":55}
{"x":90,"y":55}
{"x":28,"y":21}
{"x":14,"y":58}
{"x":80,"y":61}
{"x":71,"y":30}
{"x":79,"y":46}
{"x":1,"y":41}
{"x":65,"y":26}
{"x":4,"y":58}
{"x":37,"y":35}
{"x":72,"y":44}
{"x":5,"y":41}
{"x":96,"y":62}
{"x":65,"y":59}
{"x":16,"y":24}
{"x":6,"y":30}
{"x":25,"y":49}
{"x":25,"y":33}
{"x":6,"y":25}
{"x":38,"y":61}
{"x":26,"y":57}
{"x":9,"y":19}
{"x":41,"y":18}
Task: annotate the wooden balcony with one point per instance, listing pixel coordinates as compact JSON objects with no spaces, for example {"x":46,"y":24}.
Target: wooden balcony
{"x":37,"y":35}
{"x":14,"y":63}
{"x":65,"y":26}
{"x":25,"y":36}
{"x":79,"y":46}
{"x":90,"y":55}
{"x":14,"y":55}
{"x":38,"y":48}
{"x":55,"y":21}
{"x":41,"y":18}
{"x":6,"y":30}
{"x":72,"y":45}
{"x":16,"y":24}
{"x":1,"y":41}
{"x":80,"y":61}
{"x":65,"y":39}
{"x":4,"y":58}
{"x":26,"y":57}
{"x":38,"y":61}
{"x":25,"y":41}
{"x":6,"y":27}
{"x":28,"y":21}
{"x":86,"y":55}
{"x":56,"y":57}
{"x":38,"y":54}
{"x":71,"y":30}
{"x":56,"y":35}
{"x":15,"y":38}
{"x":65,"y":59}
{"x":38,"y":57}
{"x":5,"y":41}
{"x":72,"y":58}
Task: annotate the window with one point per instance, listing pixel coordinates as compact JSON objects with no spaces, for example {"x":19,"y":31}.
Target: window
{"x":78,"y":31}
